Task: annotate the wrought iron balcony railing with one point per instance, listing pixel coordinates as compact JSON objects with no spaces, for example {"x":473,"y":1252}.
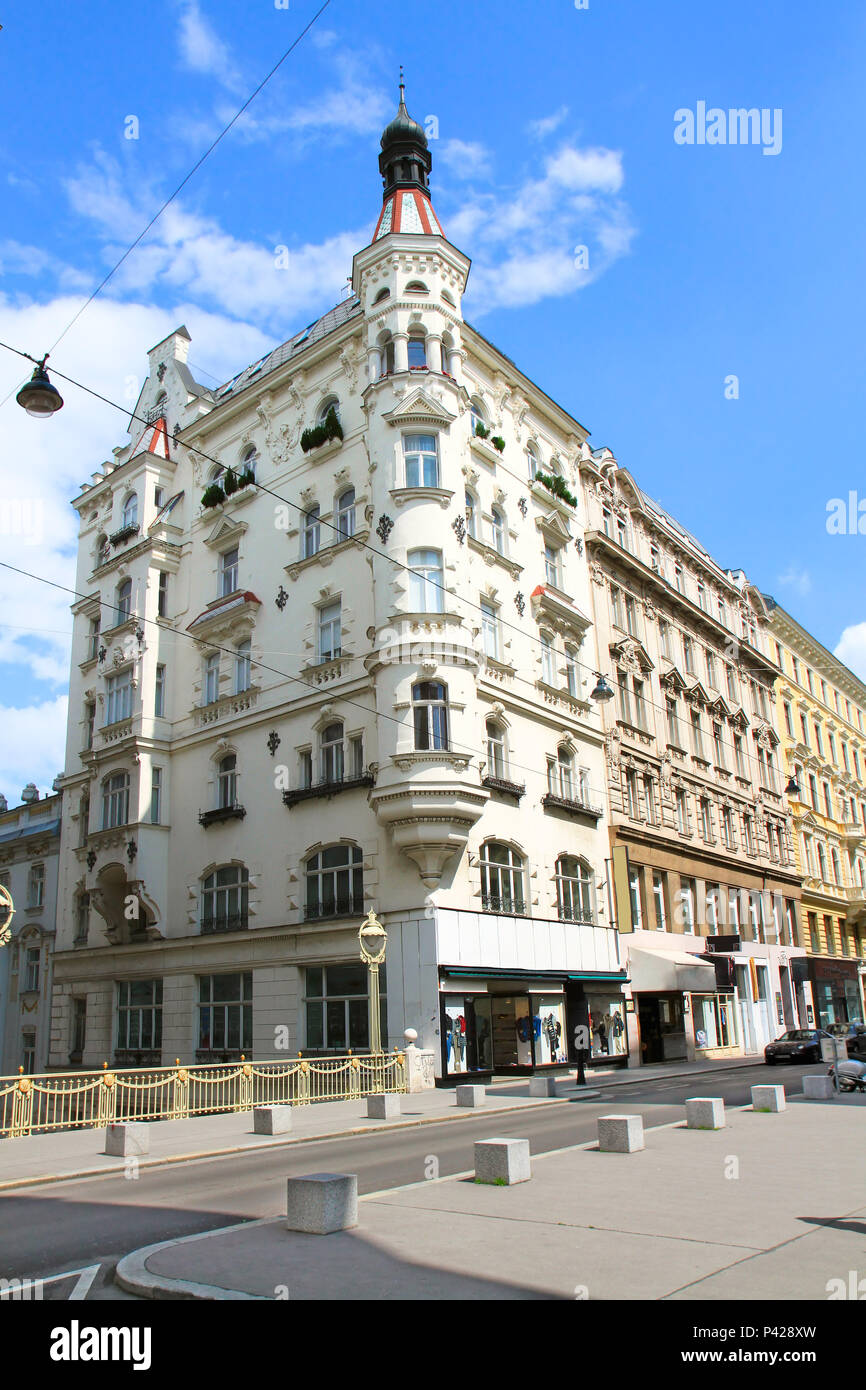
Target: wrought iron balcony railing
{"x":221,"y":813}
{"x":571,"y":805}
{"x":327,"y":788}
{"x":349,"y":906}
{"x":576,"y":915}
{"x":124,"y":534}
{"x":501,"y":784}
{"x":230,"y":921}
{"x":515,"y":907}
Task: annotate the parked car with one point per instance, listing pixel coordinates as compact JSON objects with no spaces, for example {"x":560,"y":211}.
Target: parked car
{"x":797,"y":1045}
{"x":854,"y":1035}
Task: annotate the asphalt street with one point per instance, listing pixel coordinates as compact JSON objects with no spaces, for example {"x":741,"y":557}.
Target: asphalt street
{"x":88,"y":1224}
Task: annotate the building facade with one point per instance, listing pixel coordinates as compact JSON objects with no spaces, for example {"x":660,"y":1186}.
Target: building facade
{"x":821,"y":714}
{"x":706,"y":890}
{"x":337,"y":654}
{"x":29,"y":862}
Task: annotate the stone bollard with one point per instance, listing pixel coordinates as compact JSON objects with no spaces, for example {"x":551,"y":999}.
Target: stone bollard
{"x":321,"y":1203}
{"x":705,"y":1112}
{"x":471,"y":1096}
{"x":769,"y":1099}
{"x":383,"y":1107}
{"x":127,"y":1140}
{"x":819,"y":1087}
{"x":542,"y":1085}
{"x":272,"y":1119}
{"x":502,"y":1162}
{"x":620,"y":1134}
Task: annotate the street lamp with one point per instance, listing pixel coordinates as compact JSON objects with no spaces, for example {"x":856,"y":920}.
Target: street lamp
{"x":793,"y":787}
{"x":7,"y":909}
{"x":37,"y":396}
{"x":602,"y":692}
{"x":372,"y":939}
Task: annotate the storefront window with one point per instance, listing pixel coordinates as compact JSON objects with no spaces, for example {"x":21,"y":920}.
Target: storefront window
{"x":607,"y":1026}
{"x":548,"y":1026}
{"x":713,"y":1020}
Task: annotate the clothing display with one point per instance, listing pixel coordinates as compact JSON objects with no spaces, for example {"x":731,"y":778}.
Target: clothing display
{"x":607,"y":1027}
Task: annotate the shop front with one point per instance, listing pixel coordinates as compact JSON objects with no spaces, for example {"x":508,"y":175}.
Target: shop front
{"x":511,"y":1025}
{"x":664,"y":984}
{"x":836,"y":991}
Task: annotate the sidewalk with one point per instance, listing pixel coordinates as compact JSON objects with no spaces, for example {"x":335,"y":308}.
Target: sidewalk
{"x":772,"y":1207}
{"x":67,"y":1154}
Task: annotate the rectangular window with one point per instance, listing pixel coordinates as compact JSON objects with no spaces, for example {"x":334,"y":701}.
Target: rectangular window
{"x":749,"y":833}
{"x":421,"y":459}
{"x":139,"y":1016}
{"x":688,"y":654}
{"x":706,"y":820}
{"x":624,"y":698}
{"x":243,"y":667}
{"x":225,"y":1013}
{"x":162,"y":595}
{"x":740,"y":756}
{"x":78,"y":1031}
{"x":89,"y":721}
{"x":330,"y":632}
{"x":697,"y":735}
{"x":158,"y":497}
{"x":702,"y":596}
{"x":32,"y":962}
{"x":552,"y":566}
{"x":156,"y":796}
{"x":718,"y":747}
{"x":159,"y":693}
{"x":490,"y":629}
{"x":639,"y":703}
{"x":714,"y":899}
{"x":665,"y":639}
{"x":93,"y":639}
{"x":28,"y":1050}
{"x":659,"y":890}
{"x":673,"y":722}
{"x":655,"y":559}
{"x":678,"y":578}
{"x":682,"y":812}
{"x":649,"y":793}
{"x":571,"y":672}
{"x":728,"y":828}
{"x":616,"y":606}
{"x":711,"y":670}
{"x":789,"y":723}
{"x":632,"y":794}
{"x":118,"y":697}
{"x":731,"y":677}
{"x":228,"y":570}
{"x":687,"y":903}
{"x":211,"y":683}
{"x":336,"y":1006}
{"x":634,"y":895}
{"x":426,"y":587}
{"x":631,"y":616}
{"x":547,"y":671}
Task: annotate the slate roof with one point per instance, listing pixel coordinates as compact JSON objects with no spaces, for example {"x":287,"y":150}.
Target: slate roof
{"x":319,"y":328}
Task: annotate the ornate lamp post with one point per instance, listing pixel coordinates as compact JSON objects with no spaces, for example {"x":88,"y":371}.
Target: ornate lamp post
{"x":372,"y":939}
{"x":7,"y":909}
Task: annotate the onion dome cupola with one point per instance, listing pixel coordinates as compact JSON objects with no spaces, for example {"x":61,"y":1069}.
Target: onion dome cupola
{"x":405,"y":164}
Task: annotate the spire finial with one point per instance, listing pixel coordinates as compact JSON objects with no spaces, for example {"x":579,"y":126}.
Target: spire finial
{"x":402,"y":87}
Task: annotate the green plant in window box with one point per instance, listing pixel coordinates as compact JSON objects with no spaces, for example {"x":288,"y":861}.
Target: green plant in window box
{"x":557,"y":486}
{"x":498,"y":443}
{"x":230,"y":483}
{"x":481,"y":430}
{"x":213,"y":495}
{"x":329,"y":429}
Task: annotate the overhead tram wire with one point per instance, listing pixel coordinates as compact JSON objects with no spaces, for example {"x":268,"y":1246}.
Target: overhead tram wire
{"x":364,"y":545}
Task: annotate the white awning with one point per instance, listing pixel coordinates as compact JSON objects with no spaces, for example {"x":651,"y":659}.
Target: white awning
{"x":670,"y":972}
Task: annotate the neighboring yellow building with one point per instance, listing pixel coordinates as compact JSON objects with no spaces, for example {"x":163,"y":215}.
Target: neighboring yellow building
{"x":821,"y":708}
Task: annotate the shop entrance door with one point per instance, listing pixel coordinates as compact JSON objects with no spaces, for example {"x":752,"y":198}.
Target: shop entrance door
{"x":651,"y":1048}
{"x":512,"y":1032}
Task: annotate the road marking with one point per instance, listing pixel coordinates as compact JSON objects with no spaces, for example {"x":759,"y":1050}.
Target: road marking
{"x":83,"y":1283}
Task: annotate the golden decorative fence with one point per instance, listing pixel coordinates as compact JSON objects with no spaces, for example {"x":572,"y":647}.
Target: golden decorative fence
{"x":82,"y":1099}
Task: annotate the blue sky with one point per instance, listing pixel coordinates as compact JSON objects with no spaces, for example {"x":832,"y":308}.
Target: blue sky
{"x":555,"y":130}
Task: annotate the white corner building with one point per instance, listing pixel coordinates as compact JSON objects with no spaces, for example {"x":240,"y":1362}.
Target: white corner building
{"x":358,"y":679}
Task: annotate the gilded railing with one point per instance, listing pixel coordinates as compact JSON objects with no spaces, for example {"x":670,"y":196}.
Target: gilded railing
{"x":82,"y":1100}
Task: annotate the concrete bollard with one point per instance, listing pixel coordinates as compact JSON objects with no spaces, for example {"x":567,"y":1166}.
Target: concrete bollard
{"x":819,"y":1087}
{"x":321,"y":1203}
{"x":769,"y":1099}
{"x":127,"y":1140}
{"x":272,"y":1119}
{"x":471,"y":1096}
{"x":383,"y":1107}
{"x":620,"y":1134}
{"x":502,"y":1161}
{"x":705,"y":1112}
{"x":542,"y":1085}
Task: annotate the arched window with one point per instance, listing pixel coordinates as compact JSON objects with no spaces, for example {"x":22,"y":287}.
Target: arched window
{"x":243,"y":667}
{"x":329,"y":404}
{"x":115,"y":800}
{"x":533,"y":462}
{"x":227,"y":782}
{"x":477,"y":416}
{"x":417,"y":348}
{"x":124,"y":601}
{"x":130,"y":510}
{"x":471,"y":515}
{"x":250,"y":460}
{"x":101,"y":549}
{"x":417,"y":287}
{"x":497,"y":530}
{"x":383,"y":294}
{"x":331,"y":744}
{"x":573,"y":889}
{"x":449,"y":298}
{"x":225,"y":899}
{"x":421,"y":458}
{"x":430,"y":709}
{"x":311,"y":533}
{"x":335,"y":882}
{"x":560,"y":774}
{"x":497,"y":762}
{"x":346,"y":513}
{"x":501,"y":879}
{"x":216,"y":473}
{"x":426,"y":593}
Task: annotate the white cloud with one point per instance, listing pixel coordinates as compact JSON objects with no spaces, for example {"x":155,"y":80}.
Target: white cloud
{"x":34,"y":739}
{"x":585,"y":170}
{"x":546,"y":125}
{"x":201,"y":48}
{"x":798,"y":580}
{"x":465,"y":159}
{"x":851,"y":649}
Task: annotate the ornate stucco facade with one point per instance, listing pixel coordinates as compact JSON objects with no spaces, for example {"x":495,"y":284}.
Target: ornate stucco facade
{"x":361,"y":681}
{"x":29,"y":859}
{"x":821,"y":714}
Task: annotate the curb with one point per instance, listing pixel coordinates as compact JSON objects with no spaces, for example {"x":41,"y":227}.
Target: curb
{"x":197,"y":1156}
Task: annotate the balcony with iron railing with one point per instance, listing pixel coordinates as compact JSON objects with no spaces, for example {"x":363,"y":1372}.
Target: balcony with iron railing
{"x":327,"y":787}
{"x":350,"y":905}
{"x":234,"y":811}
{"x":513,"y":907}
{"x":504,"y":787}
{"x":227,"y":921}
{"x":571,"y":805}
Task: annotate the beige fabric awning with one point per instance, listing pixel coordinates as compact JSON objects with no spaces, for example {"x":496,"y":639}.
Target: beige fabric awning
{"x":670,"y":972}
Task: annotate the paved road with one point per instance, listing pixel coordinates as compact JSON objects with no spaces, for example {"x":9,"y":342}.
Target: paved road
{"x":96,"y":1221}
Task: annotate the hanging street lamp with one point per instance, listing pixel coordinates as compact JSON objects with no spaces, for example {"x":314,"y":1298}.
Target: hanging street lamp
{"x":37,"y":396}
{"x":602,"y":692}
